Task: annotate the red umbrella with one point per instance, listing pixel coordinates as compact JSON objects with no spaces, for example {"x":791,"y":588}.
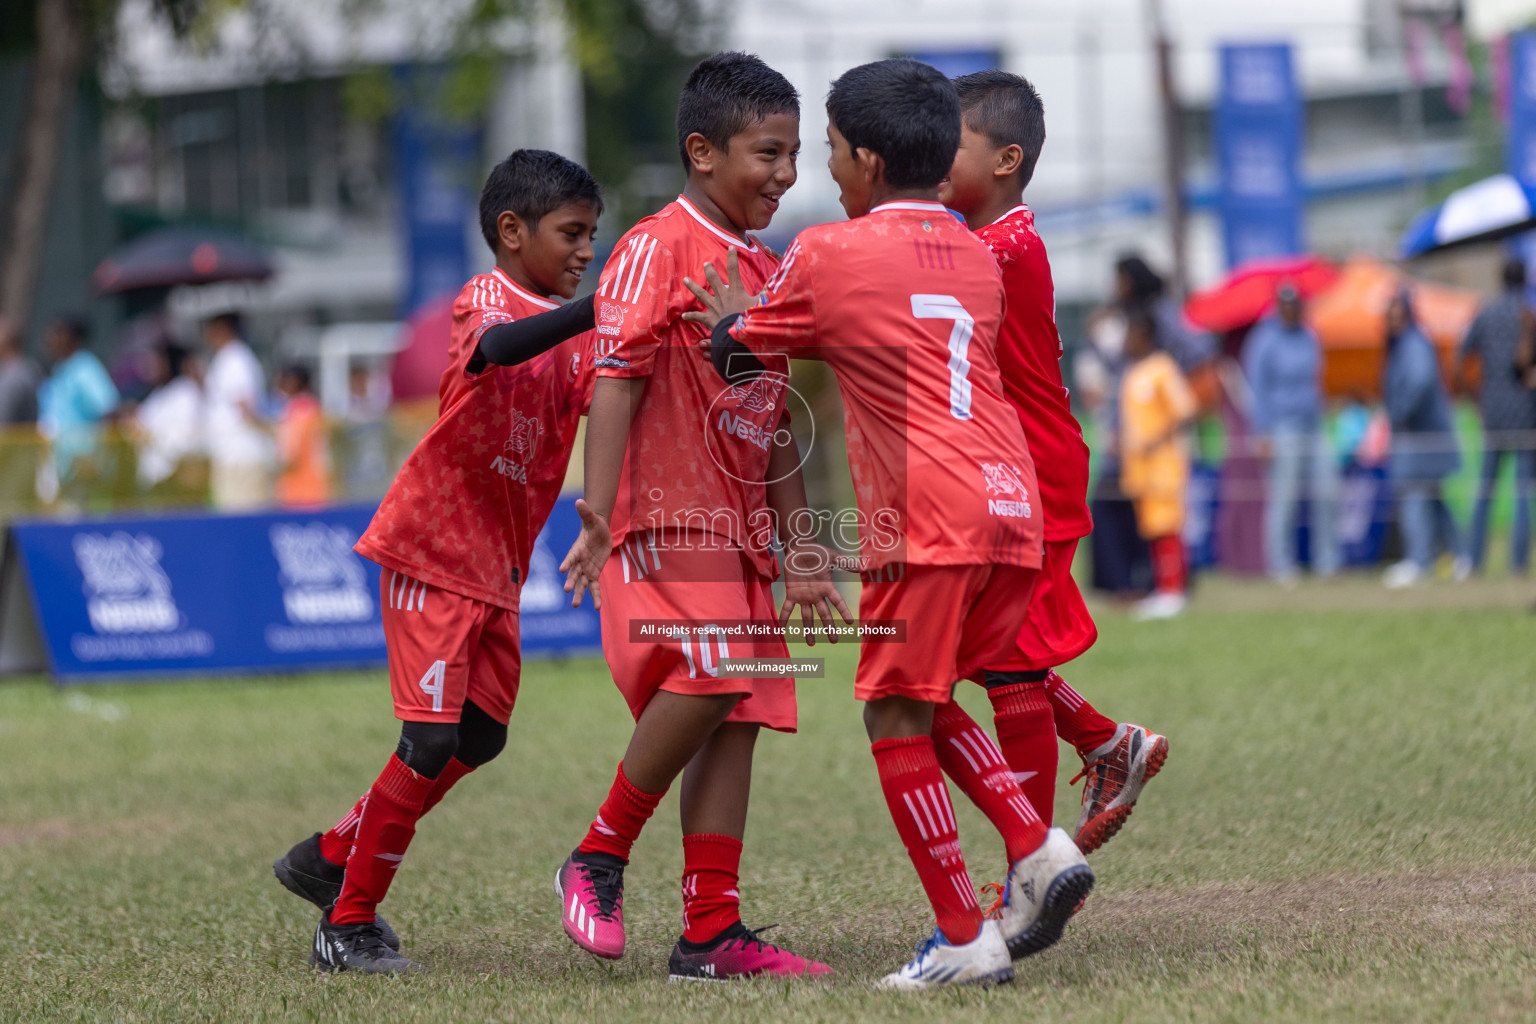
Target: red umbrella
{"x":1248,"y":293}
{"x":175,"y":256}
{"x":420,"y":364}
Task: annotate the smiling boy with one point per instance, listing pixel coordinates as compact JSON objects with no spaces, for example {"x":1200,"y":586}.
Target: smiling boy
{"x":454,"y":534}
{"x":694,"y":475}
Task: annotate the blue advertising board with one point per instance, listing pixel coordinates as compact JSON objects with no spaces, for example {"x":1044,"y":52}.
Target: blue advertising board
{"x":435,"y":162}
{"x":1520,"y":148}
{"x":1259,"y":126}
{"x":199,"y":594}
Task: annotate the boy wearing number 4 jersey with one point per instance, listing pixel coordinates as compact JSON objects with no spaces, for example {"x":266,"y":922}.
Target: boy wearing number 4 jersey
{"x":903,"y":303}
{"x":454,"y":535}
{"x":1002,"y":133}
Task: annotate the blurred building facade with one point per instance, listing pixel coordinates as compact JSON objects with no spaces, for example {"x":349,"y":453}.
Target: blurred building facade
{"x":1378,"y":125}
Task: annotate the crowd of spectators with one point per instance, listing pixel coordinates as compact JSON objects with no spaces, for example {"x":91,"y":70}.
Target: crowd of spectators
{"x":1265,"y":387}
{"x":197,"y":423}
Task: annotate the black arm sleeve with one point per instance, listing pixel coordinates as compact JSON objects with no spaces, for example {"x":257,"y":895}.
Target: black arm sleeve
{"x":519,"y":341}
{"x":733,"y":360}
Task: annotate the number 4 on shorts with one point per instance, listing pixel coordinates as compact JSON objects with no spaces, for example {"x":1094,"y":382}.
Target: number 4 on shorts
{"x":432,"y":683}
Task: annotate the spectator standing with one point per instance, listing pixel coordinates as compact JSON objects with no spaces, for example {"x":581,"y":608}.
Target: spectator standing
{"x":18,"y":417}
{"x":1508,"y":412}
{"x":238,"y":448}
{"x":72,"y":402}
{"x":1424,"y":450}
{"x":1156,"y":405}
{"x":170,"y":422}
{"x":18,"y":380}
{"x":1283,"y":362}
{"x":302,"y":444}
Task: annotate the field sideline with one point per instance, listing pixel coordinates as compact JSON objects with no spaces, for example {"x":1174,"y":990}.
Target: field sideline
{"x":1344,"y":831}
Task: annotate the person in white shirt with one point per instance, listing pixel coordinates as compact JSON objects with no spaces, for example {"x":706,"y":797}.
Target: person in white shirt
{"x":169,"y":423}
{"x":239,"y":450}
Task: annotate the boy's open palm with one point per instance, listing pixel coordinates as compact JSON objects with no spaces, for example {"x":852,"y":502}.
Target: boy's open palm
{"x":584,"y":562}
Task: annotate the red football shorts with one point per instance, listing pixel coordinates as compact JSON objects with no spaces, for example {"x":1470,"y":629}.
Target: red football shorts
{"x":960,"y":619}
{"x":1058,"y":627}
{"x":444,"y":649}
{"x":660,"y":578}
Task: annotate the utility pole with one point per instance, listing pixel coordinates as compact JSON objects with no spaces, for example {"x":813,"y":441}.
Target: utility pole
{"x":1173,"y":146}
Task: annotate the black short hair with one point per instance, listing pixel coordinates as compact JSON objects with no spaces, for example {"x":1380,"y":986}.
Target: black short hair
{"x":230,"y":321}
{"x":1146,"y":284}
{"x":75,"y":325}
{"x":299,"y":373}
{"x":728,"y":93}
{"x":1007,"y":110}
{"x":1514,"y":272}
{"x":904,"y":110}
{"x":532,"y":183}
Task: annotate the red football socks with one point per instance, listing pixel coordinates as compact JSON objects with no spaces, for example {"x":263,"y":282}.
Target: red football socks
{"x":1169,"y":571}
{"x":711,"y":899}
{"x":1077,"y":721}
{"x":919,"y":803}
{"x":336,"y":844}
{"x":389,"y":821}
{"x":967,"y":754}
{"x":1026,"y":734}
{"x":620,"y":819}
{"x":452,"y":772}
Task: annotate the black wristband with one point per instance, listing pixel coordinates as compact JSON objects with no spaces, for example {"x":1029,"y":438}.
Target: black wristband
{"x":520,"y":340}
{"x":733,"y":360}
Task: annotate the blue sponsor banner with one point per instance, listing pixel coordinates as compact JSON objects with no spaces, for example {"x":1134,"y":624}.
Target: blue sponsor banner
{"x":435,"y":164}
{"x":1520,"y":148}
{"x":954,"y":63}
{"x":200,"y":594}
{"x":1259,"y":127}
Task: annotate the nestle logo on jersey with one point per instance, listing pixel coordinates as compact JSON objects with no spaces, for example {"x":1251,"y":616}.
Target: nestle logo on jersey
{"x":1003,"y":479}
{"x":745,"y":429}
{"x":610,"y":318}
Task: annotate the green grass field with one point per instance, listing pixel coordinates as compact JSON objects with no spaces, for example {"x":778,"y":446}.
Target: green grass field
{"x":1344,"y":831}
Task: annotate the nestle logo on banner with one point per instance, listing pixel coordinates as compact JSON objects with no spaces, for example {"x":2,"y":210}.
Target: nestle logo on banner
{"x":323,"y":579}
{"x":126,"y":590}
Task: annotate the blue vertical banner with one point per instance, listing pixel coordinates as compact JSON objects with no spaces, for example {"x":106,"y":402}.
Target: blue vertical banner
{"x":436,"y":163}
{"x":1259,"y":131}
{"x":1520,"y":155}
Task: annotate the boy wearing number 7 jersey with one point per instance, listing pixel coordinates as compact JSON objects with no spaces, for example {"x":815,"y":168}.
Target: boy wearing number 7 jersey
{"x":454,"y":535}
{"x":904,"y":303}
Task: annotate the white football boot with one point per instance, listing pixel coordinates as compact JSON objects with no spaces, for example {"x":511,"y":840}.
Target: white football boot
{"x":982,"y":961}
{"x":1043,"y":889}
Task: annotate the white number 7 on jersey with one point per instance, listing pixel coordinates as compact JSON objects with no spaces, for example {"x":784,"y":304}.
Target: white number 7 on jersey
{"x":947,"y":307}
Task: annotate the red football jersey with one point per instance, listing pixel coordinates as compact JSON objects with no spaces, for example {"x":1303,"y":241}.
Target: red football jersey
{"x":1029,"y":356}
{"x":904,"y":305}
{"x":698,"y":447}
{"x":466,"y":507}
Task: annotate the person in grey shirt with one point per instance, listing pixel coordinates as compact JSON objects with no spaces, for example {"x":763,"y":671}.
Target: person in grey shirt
{"x":1283,"y":362}
{"x":1424,"y":445}
{"x":1509,"y":415}
{"x":18,"y":380}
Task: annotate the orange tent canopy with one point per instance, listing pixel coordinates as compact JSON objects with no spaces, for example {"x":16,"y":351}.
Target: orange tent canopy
{"x":1350,"y":321}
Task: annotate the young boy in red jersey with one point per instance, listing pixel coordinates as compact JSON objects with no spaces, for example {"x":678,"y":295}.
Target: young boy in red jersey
{"x":454,"y":534}
{"x":693,"y":474}
{"x":904,"y":304}
{"x":1003,"y":130}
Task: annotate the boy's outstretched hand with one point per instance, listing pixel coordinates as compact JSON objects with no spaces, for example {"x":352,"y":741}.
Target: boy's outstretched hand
{"x":808,"y":583}
{"x":584,"y":562}
{"x":726,"y":299}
